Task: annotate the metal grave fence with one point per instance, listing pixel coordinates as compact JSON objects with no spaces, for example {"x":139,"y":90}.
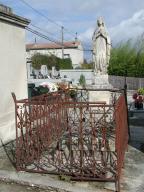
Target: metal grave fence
{"x":66,"y":134}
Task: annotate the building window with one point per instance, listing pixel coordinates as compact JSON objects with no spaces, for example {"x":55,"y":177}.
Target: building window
{"x":66,"y":56}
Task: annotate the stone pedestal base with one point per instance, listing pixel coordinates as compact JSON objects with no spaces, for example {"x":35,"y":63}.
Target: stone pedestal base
{"x":101,"y":82}
{"x":102,"y":96}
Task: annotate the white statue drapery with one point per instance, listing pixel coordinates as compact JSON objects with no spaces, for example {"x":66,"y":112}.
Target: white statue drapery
{"x":101,"y":48}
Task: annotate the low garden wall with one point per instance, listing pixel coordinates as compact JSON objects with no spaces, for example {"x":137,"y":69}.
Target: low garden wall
{"x":118,"y":82}
{"x":133,"y":83}
{"x":74,"y":74}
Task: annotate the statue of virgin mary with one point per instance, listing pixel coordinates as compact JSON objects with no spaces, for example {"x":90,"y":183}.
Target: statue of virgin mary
{"x":101,"y":48}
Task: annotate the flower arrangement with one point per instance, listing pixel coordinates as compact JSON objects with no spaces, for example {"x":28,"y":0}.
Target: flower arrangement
{"x":138,"y":99}
{"x":51,"y":87}
{"x":62,"y":86}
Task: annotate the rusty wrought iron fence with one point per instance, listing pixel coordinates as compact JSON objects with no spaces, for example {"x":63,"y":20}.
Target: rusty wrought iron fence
{"x":67,"y":134}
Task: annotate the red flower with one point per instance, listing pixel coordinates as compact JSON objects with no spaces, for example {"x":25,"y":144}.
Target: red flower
{"x":135,"y":95}
{"x":140,"y":98}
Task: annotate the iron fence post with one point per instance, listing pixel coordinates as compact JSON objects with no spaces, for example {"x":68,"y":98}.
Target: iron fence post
{"x":125,"y":94}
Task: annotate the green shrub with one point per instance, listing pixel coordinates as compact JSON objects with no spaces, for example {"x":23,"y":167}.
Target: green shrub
{"x":127,"y":59}
{"x":82,"y":80}
{"x":141,"y":91}
{"x":50,"y":60}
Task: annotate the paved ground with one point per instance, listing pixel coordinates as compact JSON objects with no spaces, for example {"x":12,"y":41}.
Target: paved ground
{"x":10,"y":180}
{"x":15,"y":187}
{"x":131,"y":180}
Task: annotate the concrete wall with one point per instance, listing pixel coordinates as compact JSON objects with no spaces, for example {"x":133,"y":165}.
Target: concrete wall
{"x":116,"y":81}
{"x":12,"y":75}
{"x":74,"y":75}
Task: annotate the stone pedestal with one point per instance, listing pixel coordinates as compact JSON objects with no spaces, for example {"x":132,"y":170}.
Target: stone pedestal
{"x":101,"y":82}
{"x":102,"y":96}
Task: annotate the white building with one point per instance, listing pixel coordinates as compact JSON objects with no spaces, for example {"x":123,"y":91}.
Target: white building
{"x":72,"y":50}
{"x":13,"y":68}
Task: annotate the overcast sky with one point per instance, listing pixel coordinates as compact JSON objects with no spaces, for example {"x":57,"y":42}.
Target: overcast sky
{"x":124,"y":19}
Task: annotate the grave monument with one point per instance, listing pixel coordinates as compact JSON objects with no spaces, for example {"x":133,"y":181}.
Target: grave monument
{"x":101,"y":56}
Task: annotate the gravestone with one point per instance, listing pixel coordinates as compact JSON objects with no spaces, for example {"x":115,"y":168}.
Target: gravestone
{"x":44,"y":70}
{"x":53,"y":72}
